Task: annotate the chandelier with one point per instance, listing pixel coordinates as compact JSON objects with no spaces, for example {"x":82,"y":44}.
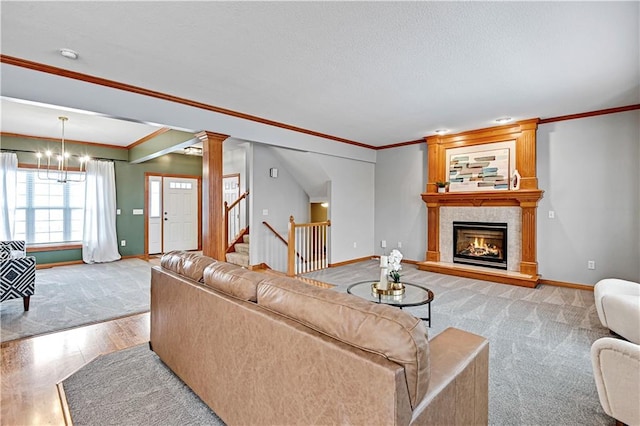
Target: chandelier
{"x":60,"y":173}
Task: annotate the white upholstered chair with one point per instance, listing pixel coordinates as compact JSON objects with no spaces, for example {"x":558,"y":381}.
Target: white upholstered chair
{"x":616,"y":368}
{"x":618,"y":305}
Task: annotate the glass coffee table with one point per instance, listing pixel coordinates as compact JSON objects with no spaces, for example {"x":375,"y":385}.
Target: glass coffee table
{"x":414,"y":295}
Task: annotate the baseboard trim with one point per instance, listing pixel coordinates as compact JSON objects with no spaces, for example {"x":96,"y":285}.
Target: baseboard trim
{"x":349,"y":262}
{"x":80,"y":261}
{"x":52,"y":265}
{"x":567,"y":285}
{"x":66,"y":413}
{"x":259,"y":267}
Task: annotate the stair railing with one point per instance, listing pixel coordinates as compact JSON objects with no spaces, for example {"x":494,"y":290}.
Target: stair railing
{"x":309,"y":241}
{"x":275,"y":249}
{"x":232,"y":223}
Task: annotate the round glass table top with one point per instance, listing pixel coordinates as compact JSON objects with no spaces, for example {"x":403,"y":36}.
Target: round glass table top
{"x":414,"y":294}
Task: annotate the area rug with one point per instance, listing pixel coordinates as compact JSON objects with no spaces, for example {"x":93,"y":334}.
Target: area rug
{"x":75,"y":295}
{"x":540,"y":369}
{"x":133,"y":387}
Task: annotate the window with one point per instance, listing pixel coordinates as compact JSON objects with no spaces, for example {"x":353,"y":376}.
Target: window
{"x":48,"y":211}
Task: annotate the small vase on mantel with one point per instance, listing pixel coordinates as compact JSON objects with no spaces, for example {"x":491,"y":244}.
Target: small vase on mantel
{"x":515,"y":180}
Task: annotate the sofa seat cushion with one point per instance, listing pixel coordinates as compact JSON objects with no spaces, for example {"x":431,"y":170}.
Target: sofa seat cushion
{"x":190,"y":265}
{"x":233,"y":280}
{"x":377,"y":328}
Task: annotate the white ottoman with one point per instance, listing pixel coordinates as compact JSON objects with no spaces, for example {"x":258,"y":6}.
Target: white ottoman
{"x":618,"y":306}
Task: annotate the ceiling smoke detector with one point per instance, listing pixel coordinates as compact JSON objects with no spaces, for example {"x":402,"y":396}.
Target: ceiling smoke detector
{"x":68,"y":53}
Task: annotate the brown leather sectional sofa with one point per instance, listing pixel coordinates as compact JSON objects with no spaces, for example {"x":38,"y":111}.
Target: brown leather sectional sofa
{"x":261,"y":349}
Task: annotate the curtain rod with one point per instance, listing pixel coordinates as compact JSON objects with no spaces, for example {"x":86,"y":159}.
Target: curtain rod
{"x":34,"y":152}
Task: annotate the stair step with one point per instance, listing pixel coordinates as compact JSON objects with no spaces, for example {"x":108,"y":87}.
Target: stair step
{"x":245,"y":238}
{"x":241,"y":259}
{"x":242,"y":248}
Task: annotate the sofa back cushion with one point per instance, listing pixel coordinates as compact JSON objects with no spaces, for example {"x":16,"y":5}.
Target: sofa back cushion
{"x":376,"y":328}
{"x":190,"y":265}
{"x":233,"y":280}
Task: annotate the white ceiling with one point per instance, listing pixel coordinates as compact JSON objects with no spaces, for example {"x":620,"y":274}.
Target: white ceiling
{"x":40,"y":120}
{"x":371,"y":72}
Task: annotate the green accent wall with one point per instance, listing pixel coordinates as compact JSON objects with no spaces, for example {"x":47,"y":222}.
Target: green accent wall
{"x":129,"y":187}
{"x":162,"y":142}
{"x":130,"y":194}
{"x":44,"y":257}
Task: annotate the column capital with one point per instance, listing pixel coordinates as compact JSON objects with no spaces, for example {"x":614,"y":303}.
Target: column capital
{"x":206,"y":135}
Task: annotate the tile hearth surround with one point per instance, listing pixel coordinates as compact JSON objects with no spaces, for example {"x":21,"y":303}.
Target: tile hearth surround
{"x":509,"y":215}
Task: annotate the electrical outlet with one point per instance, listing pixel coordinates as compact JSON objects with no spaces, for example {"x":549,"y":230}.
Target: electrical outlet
{"x":355,"y":245}
{"x":383,"y":243}
{"x":265,"y":212}
{"x":591,"y":264}
{"x":552,"y":214}
{"x":123,"y":243}
{"x":118,"y":211}
{"x":399,"y":244}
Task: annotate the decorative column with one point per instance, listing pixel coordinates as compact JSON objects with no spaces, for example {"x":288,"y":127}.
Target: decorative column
{"x":433,"y":232}
{"x":526,"y":154}
{"x":529,"y":265}
{"x":213,"y":235}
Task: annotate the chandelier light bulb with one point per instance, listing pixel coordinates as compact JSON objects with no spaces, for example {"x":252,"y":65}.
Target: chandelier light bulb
{"x":38,"y":154}
{"x":48,"y":153}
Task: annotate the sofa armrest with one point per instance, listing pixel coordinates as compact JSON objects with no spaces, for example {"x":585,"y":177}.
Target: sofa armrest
{"x":616,"y":369}
{"x":458,"y":391}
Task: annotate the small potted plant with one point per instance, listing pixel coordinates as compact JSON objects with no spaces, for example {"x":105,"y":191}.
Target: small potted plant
{"x":442,"y":186}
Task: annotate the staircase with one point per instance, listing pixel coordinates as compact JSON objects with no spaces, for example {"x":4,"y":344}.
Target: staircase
{"x":240,"y":252}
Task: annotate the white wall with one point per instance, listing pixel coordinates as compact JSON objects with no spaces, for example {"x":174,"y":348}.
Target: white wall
{"x":400,"y":178}
{"x":589,"y":170}
{"x":351,"y":207}
{"x":351,"y":202}
{"x":281,"y":197}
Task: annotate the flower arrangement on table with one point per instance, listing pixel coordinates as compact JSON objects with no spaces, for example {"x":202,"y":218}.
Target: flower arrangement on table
{"x":394,"y":267}
{"x":389,"y":268}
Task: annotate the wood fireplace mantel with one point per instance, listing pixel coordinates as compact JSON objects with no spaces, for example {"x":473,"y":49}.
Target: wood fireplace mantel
{"x":524,"y":136}
{"x":520,"y":198}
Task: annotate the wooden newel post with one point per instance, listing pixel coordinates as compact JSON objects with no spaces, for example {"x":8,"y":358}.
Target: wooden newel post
{"x":226,"y":226}
{"x":291,"y":248}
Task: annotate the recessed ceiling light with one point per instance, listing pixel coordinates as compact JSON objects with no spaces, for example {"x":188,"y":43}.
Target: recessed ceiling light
{"x":442,"y":131}
{"x":503,"y":120}
{"x":68,"y":53}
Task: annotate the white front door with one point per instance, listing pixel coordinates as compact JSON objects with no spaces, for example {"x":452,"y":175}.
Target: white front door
{"x":155,"y":214}
{"x":180,"y":214}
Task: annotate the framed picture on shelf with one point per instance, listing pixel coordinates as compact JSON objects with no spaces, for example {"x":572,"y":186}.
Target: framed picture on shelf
{"x":479,"y":168}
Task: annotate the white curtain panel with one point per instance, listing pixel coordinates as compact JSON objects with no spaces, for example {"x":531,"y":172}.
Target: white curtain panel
{"x":8,"y":176}
{"x":99,"y":239}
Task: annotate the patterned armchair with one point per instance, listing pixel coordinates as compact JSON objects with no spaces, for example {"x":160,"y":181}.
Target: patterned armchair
{"x":17,"y":272}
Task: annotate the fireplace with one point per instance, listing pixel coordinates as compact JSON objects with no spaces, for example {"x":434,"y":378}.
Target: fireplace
{"x":480,"y":244}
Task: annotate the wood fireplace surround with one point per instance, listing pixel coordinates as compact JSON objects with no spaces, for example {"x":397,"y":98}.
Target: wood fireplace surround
{"x":523,"y":134}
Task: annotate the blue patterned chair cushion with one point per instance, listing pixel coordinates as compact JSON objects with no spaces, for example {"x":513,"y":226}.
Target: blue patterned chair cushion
{"x":17,"y":276}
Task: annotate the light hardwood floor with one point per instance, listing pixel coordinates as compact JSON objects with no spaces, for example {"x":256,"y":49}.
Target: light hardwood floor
{"x":31,"y":367}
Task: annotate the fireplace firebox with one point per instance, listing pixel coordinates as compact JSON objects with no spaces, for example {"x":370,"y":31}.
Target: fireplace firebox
{"x":480,"y":244}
